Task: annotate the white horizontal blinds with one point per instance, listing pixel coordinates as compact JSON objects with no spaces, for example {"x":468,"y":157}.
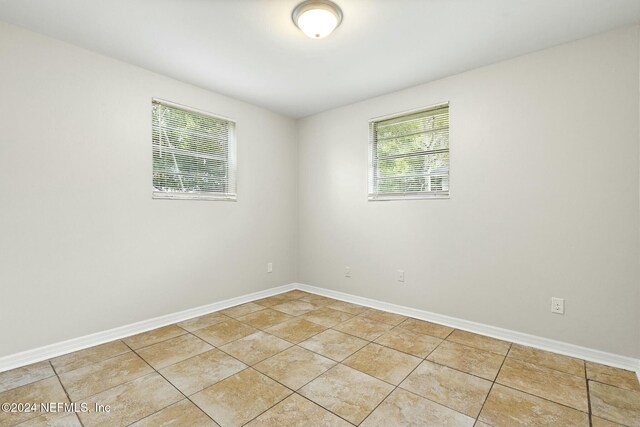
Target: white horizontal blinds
{"x":193,"y":153}
{"x":410,"y":155}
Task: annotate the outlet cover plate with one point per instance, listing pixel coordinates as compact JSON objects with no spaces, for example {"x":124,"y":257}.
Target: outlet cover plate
{"x":557,"y":305}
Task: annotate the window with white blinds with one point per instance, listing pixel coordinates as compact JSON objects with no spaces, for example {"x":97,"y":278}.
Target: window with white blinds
{"x":193,"y":154}
{"x":409,"y":155}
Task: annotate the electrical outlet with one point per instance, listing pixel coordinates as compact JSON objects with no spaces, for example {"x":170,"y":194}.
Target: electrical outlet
{"x":347,"y":272}
{"x":269,"y":267}
{"x":400,"y":275}
{"x":557,"y":305}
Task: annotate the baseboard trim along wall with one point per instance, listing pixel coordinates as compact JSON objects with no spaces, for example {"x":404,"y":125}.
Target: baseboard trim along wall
{"x":75,"y":344}
{"x":610,"y":359}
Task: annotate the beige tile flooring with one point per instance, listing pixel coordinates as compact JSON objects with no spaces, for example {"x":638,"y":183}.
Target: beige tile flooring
{"x":298,"y":359}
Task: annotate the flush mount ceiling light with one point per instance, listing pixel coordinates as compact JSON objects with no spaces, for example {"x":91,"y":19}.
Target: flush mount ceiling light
{"x":317,"y":18}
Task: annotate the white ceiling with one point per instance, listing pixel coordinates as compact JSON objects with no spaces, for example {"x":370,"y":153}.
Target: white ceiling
{"x":250,"y":49}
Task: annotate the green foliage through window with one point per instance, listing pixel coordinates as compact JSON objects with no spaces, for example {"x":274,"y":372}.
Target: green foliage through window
{"x":192,"y":152}
{"x":410,"y":154}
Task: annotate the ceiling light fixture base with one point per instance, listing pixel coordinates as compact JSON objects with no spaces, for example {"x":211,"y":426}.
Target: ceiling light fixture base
{"x":317,"y":18}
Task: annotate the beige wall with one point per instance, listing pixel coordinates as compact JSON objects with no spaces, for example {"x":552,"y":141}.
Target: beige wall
{"x":83,"y":247}
{"x":544,"y":199}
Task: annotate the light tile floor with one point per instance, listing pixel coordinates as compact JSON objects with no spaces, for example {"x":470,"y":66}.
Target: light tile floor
{"x":298,"y":359}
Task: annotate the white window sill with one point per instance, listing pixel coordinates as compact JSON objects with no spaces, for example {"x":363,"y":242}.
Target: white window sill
{"x":407,"y":196}
{"x":194,"y":196}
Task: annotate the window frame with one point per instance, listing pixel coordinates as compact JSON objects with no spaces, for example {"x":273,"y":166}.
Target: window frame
{"x":373,"y":195}
{"x":231,"y":163}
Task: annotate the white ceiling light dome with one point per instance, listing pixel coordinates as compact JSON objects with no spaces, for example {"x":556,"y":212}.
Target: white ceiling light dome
{"x":317,"y":18}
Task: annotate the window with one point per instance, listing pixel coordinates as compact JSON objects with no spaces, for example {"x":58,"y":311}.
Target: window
{"x":409,"y":155}
{"x":193,"y":154}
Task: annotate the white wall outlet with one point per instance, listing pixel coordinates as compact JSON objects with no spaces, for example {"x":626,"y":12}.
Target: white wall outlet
{"x":557,"y":305}
{"x":269,"y":267}
{"x":400,"y":275}
{"x":347,"y":272}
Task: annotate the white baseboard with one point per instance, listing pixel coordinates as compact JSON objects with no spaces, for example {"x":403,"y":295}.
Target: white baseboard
{"x":572,"y":350}
{"x":53,"y":350}
{"x":47,"y":352}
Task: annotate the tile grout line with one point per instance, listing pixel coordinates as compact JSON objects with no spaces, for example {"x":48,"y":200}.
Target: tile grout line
{"x":154,"y":370}
{"x":220,"y":380}
{"x":261,"y":360}
{"x":394,"y":389}
{"x":153,"y":413}
{"x":586,"y":379}
{"x":435,"y":363}
{"x":303,"y":385}
{"x":156,"y":342}
{"x":372,"y":376}
{"x":542,"y":398}
{"x":274,"y":380}
{"x":172,"y":385}
{"x":180,"y":361}
{"x":34,"y":382}
{"x":342,"y":364}
{"x":65,"y":390}
{"x":527,"y":392}
{"x":308,"y":338}
{"x":522,"y":359}
{"x":535,"y":395}
{"x":402,"y":351}
{"x":151,"y":373}
{"x":334,"y":366}
{"x":295,"y":343}
{"x":175,"y":363}
{"x":92,"y":363}
{"x":262,"y":373}
{"x":447,"y":366}
{"x":547,"y":371}
{"x":326,"y":409}
{"x":378,"y":405}
{"x":327,"y":357}
{"x":493,"y":383}
{"x":614,"y":386}
{"x":183,"y":394}
{"x":396,"y":386}
{"x":118,"y":385}
{"x":292,"y":391}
